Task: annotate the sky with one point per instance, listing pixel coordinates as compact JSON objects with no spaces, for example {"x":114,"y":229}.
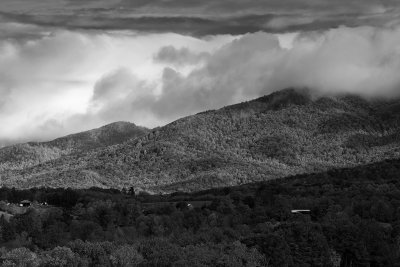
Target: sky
{"x":72,"y":65}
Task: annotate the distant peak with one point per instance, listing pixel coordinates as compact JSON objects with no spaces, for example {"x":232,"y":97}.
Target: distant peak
{"x":286,"y":97}
{"x":119,"y":124}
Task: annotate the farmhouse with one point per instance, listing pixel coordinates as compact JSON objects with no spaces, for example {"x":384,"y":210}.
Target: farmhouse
{"x":25,"y":203}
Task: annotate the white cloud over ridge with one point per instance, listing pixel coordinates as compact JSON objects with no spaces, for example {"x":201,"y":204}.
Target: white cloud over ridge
{"x":68,"y":81}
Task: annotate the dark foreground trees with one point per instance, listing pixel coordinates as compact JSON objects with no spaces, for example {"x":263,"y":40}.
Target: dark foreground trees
{"x":354,"y":221}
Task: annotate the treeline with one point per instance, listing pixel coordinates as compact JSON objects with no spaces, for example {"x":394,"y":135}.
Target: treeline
{"x":354,"y":220}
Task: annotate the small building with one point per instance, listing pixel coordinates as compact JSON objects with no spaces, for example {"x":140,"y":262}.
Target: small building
{"x":301,"y":211}
{"x":25,"y":203}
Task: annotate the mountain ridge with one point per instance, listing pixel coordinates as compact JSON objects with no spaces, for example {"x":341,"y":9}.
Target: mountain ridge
{"x":285,"y":133}
{"x":34,"y":153}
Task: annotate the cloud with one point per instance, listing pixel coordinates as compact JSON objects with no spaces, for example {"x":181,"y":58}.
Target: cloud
{"x":364,"y":61}
{"x":4,"y":95}
{"x":232,"y":7}
{"x":179,"y":57}
{"x":285,"y":22}
{"x":65,"y":81}
{"x":200,"y":18}
{"x":21,"y":32}
{"x":68,"y":81}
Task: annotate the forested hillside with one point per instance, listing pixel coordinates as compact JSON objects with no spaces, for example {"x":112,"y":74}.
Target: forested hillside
{"x":285,"y":133}
{"x":24,"y":155}
{"x":353,"y":220}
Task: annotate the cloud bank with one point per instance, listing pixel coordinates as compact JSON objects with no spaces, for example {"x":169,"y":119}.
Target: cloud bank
{"x":200,"y":18}
{"x":364,"y":61}
{"x":63,"y":81}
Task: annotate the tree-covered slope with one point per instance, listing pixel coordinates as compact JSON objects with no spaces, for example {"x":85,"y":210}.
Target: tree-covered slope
{"x":25,"y":155}
{"x":285,"y":133}
{"x":352,"y":219}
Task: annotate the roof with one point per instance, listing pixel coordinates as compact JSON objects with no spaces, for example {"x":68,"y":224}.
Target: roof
{"x":300,"y":211}
{"x":25,"y":201}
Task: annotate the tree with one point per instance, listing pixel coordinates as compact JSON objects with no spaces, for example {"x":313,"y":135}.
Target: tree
{"x":21,"y":257}
{"x":237,"y":254}
{"x":126,"y":256}
{"x":274,"y":247}
{"x":60,"y":257}
{"x":159,"y":251}
{"x":7,"y":230}
{"x":131,"y":191}
{"x":84,"y":230}
{"x":97,"y":253}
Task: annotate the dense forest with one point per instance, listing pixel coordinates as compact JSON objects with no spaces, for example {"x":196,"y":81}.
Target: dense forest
{"x":286,"y":133}
{"x":353,"y":220}
{"x":20,"y":156}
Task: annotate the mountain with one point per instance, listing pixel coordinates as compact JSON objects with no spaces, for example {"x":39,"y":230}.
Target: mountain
{"x":20,"y":156}
{"x":285,"y":133}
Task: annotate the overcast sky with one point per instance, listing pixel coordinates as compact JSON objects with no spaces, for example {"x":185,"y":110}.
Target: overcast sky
{"x":72,"y":65}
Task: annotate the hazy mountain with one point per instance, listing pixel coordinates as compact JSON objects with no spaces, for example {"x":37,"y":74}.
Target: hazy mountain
{"x":285,"y":133}
{"x":24,"y":155}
